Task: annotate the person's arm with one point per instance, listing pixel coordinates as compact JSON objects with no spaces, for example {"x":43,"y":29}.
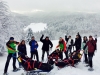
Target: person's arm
{"x":96,"y":40}
{"x":9,"y":47}
{"x":66,"y":38}
{"x":25,"y":50}
{"x":85,"y":46}
{"x":16,"y":42}
{"x":51,"y":44}
{"x":36,"y":45}
{"x":64,"y":46}
{"x":41,"y":39}
{"x":57,"y":46}
{"x":30,"y":43}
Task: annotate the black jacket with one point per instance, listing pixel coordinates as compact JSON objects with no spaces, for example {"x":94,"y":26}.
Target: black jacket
{"x":22,"y":49}
{"x":78,"y":42}
{"x":66,"y":38}
{"x":46,"y":44}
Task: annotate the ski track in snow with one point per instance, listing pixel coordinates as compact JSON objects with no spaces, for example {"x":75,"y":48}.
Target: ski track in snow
{"x":79,"y":70}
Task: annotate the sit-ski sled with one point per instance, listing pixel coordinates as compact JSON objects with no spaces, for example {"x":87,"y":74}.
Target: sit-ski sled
{"x":35,"y":72}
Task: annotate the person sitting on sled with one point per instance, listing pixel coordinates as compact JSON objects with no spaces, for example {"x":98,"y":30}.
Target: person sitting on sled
{"x":74,"y":58}
{"x":54,"y":56}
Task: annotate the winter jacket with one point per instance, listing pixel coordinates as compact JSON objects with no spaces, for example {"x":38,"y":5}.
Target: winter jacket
{"x":78,"y":42}
{"x":66,"y":38}
{"x":46,"y":44}
{"x":22,"y":49}
{"x":96,"y":44}
{"x":33,"y":45}
{"x":82,"y":47}
{"x":62,"y":46}
{"x":69,"y":43}
{"x":91,"y":46}
{"x":11,"y":46}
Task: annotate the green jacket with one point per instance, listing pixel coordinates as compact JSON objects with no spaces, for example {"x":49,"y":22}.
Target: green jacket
{"x":86,"y":49}
{"x":61,"y":47}
{"x":11,"y":46}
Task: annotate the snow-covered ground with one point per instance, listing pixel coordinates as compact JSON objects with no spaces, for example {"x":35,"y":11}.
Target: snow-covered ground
{"x":36,"y":27}
{"x":79,"y":70}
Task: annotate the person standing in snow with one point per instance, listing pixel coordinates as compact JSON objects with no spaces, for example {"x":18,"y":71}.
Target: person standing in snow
{"x":91,"y":49}
{"x":69,"y":46}
{"x":22,"y":49}
{"x":11,"y":46}
{"x":72,"y":44}
{"x":66,"y":38}
{"x":46,"y":44}
{"x":33,"y":47}
{"x":62,"y":47}
{"x":96,"y":42}
{"x":86,"y":49}
{"x":78,"y":42}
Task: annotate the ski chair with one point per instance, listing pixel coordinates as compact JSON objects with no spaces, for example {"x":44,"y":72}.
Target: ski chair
{"x":32,"y":67}
{"x":73,"y":59}
{"x":54,"y":56}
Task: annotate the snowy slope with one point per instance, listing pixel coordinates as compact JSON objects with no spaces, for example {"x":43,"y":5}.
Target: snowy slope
{"x":36,"y":27}
{"x":79,"y":70}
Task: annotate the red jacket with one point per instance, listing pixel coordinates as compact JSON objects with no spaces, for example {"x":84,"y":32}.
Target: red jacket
{"x":64,"y":43}
{"x":91,"y":46}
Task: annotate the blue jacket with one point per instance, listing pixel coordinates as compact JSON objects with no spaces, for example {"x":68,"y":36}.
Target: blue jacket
{"x":33,"y":45}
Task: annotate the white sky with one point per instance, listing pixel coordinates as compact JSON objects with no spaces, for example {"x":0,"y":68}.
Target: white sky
{"x":54,"y":5}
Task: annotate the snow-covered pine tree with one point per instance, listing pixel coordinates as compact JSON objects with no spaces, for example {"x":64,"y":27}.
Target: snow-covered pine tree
{"x":9,"y":26}
{"x":29,"y":35}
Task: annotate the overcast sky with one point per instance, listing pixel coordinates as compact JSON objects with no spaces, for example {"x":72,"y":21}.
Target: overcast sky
{"x":53,"y":5}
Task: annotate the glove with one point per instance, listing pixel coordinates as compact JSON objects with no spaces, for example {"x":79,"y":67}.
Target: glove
{"x":42,"y":34}
{"x":50,"y":47}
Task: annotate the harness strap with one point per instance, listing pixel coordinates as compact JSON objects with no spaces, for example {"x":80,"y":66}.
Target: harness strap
{"x":28,"y":63}
{"x":40,"y":65}
{"x":33,"y":64}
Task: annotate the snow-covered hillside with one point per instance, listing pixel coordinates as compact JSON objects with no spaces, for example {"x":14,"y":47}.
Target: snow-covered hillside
{"x":36,"y":27}
{"x":79,"y":70}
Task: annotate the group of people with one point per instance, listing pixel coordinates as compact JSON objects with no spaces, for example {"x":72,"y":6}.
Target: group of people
{"x":12,"y":52}
{"x":89,"y":47}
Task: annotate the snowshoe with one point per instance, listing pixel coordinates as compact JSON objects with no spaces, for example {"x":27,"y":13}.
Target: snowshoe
{"x":90,"y":69}
{"x":20,"y":66}
{"x":15,"y":70}
{"x":5,"y":74}
{"x":87,"y":65}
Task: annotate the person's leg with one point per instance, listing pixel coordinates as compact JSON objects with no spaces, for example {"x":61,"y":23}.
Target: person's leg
{"x":66,"y":54}
{"x":43,"y":52}
{"x":76,"y":48}
{"x":90,"y":55}
{"x":70,"y":49}
{"x":47,"y":53}
{"x":61,"y":55}
{"x":14,"y":62}
{"x":86,"y":59}
{"x":7,"y":63}
{"x":37,"y":57}
{"x":31,"y":55}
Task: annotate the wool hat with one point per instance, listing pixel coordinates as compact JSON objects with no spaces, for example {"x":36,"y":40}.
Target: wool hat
{"x":11,"y":38}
